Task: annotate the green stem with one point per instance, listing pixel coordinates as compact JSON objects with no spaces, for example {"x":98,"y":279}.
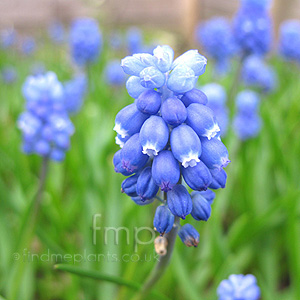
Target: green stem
{"x":161,"y":266}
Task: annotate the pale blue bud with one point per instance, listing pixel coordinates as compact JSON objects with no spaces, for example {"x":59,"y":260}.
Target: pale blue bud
{"x":152,"y":78}
{"x":165,"y":56}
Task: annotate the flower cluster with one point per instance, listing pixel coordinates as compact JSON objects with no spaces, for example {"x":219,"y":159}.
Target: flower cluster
{"x":217,"y":98}
{"x":169,"y":132}
{"x":256,"y":73}
{"x":289,"y":40}
{"x":8,"y":38}
{"x":114,"y":74}
{"x":217,"y":40}
{"x":45,"y":124}
{"x":253,"y":27}
{"x":247,"y":122}
{"x":85,"y":41}
{"x":239,"y":287}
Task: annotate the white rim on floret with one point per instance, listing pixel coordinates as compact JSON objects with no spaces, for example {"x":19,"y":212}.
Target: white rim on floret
{"x":211,"y":133}
{"x":119,"y":142}
{"x":119,"y":130}
{"x":190,"y":160}
{"x":150,"y":150}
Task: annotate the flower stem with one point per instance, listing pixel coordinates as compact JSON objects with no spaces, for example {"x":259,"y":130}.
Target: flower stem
{"x":161,"y":266}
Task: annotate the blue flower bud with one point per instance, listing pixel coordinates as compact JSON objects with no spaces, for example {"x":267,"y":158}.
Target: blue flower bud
{"x":201,"y":118}
{"x":114,"y":74}
{"x":132,"y":156}
{"x":209,"y":195}
{"x":194,"y":96}
{"x":117,"y":161}
{"x":243,"y":287}
{"x":120,"y":140}
{"x":129,"y":185}
{"x":214,"y":153}
{"x":201,"y":207}
{"x":57,"y":155}
{"x":152,"y":78}
{"x":137,"y":200}
{"x":133,"y":86}
{"x":165,"y":56}
{"x":219,"y":178}
{"x":62,"y":140}
{"x":149,"y":102}
{"x":146,"y":187}
{"x":132,"y":65}
{"x":129,"y":121}
{"x":42,"y":147}
{"x":186,"y":145}
{"x":173,"y":111}
{"x":198,"y":177}
{"x":189,"y":235}
{"x":163,"y":219}
{"x":247,"y":102}
{"x":192,"y":59}
{"x":179,"y":201}
{"x":247,"y":126}
{"x":216,"y":95}
{"x":154,"y":135}
{"x":146,"y":59}
{"x":182,"y":79}
{"x":165,"y":170}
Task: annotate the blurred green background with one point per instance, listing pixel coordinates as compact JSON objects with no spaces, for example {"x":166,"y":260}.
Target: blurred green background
{"x":255,"y":222}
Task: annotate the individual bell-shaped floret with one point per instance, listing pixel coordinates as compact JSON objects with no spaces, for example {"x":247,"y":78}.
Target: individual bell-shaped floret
{"x":186,"y":145}
{"x":219,"y":178}
{"x":179,"y":201}
{"x":173,"y":111}
{"x":57,"y":154}
{"x":247,"y":102}
{"x":189,"y":235}
{"x":129,"y":121}
{"x":165,"y":170}
{"x":152,"y":78}
{"x":129,"y":185}
{"x":198,"y":177}
{"x":209,"y":195}
{"x":146,"y":187}
{"x":154,"y":135}
{"x":194,"y":96}
{"x":132,"y":157}
{"x":201,"y":207}
{"x":133,"y":86}
{"x":201,"y":118}
{"x":165,"y":56}
{"x":42,"y":148}
{"x":117,"y":161}
{"x":149,"y":102}
{"x":182,"y":79}
{"x":192,"y":59}
{"x":214,"y":153}
{"x":132,"y":65}
{"x":163,"y":219}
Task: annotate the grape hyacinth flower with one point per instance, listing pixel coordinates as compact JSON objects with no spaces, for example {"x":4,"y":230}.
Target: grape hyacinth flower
{"x":239,"y":287}
{"x":217,"y":99}
{"x":256,"y":73}
{"x":75,"y":91}
{"x":217,"y":40}
{"x":247,"y":122}
{"x":28,"y":46}
{"x":114,"y":74}
{"x":56,"y":32}
{"x":45,"y":124}
{"x":253,"y":27}
{"x":85,"y":41}
{"x":289,"y":40}
{"x":169,"y":139}
{"x":8,"y":38}
{"x":9,"y":75}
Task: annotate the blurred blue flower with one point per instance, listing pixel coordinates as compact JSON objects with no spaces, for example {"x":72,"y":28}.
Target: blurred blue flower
{"x":167,"y":132}
{"x":28,"y":46}
{"x":114,"y":74}
{"x":116,"y":40}
{"x":216,"y":38}
{"x":8,"y":38}
{"x":75,"y":91}
{"x":289,"y":40}
{"x":85,"y":41}
{"x":56,"y":32}
{"x":253,"y":28}
{"x":135,"y":41}
{"x":9,"y":75}
{"x":239,"y":287}
{"x":256,"y":73}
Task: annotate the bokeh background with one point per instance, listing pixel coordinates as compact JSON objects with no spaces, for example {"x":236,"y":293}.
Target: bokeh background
{"x":255,"y":222}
